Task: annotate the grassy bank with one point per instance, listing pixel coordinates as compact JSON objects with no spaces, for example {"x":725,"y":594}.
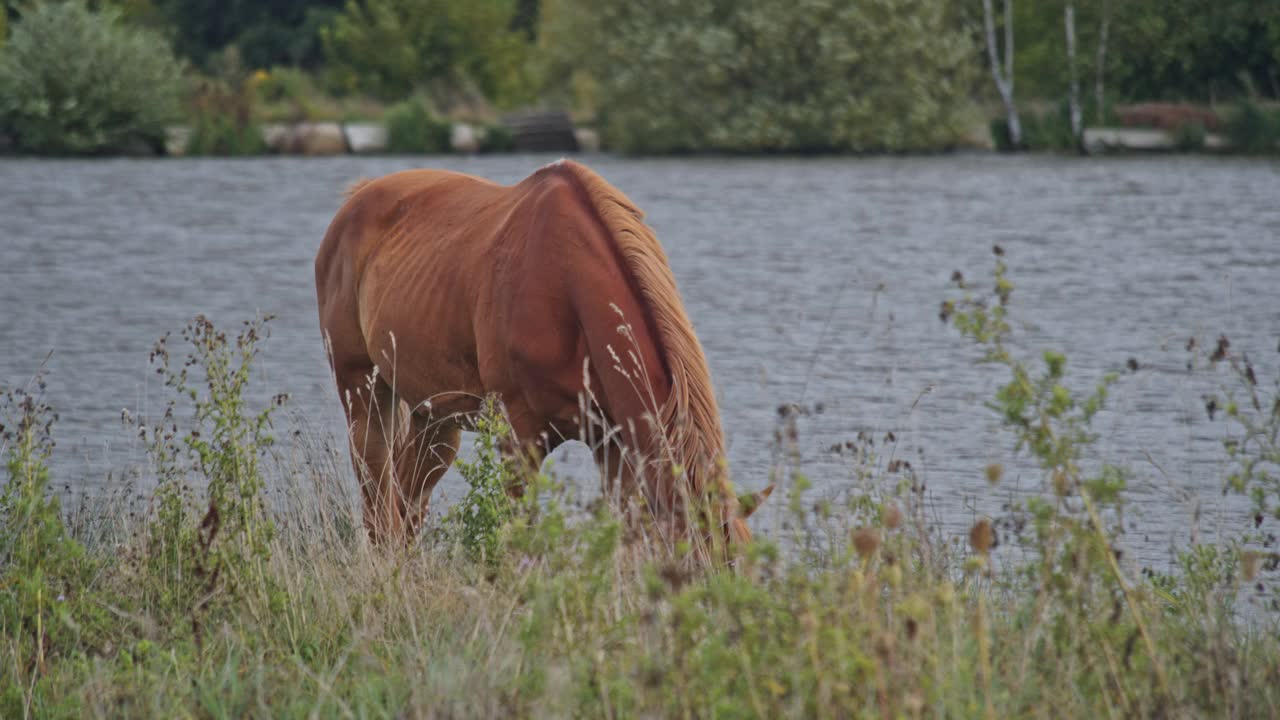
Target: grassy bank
{"x":245,"y":586}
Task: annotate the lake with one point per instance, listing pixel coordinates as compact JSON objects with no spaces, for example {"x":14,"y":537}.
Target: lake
{"x":810,"y":281}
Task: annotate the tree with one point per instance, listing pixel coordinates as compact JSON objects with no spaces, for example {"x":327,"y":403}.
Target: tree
{"x":392,"y":48}
{"x":1177,"y":50}
{"x":1195,"y":50}
{"x":266,"y":32}
{"x":1100,"y":65}
{"x":761,"y":76}
{"x":1003,"y":78}
{"x":1073,"y":98}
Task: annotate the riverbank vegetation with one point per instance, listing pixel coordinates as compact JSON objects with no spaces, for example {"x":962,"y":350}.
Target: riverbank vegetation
{"x":761,"y":76}
{"x":244,"y":586}
{"x":886,"y":76}
{"x":62,"y":90}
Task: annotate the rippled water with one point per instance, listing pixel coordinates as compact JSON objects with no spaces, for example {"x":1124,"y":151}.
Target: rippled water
{"x":808,"y":280}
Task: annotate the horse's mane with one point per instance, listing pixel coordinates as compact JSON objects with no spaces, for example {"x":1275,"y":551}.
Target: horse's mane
{"x":355,"y":187}
{"x":691,"y":417}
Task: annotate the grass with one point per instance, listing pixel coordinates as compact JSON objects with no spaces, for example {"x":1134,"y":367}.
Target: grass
{"x":223,"y":600}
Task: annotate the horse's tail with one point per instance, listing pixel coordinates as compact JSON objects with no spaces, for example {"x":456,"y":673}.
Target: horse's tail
{"x":691,"y":415}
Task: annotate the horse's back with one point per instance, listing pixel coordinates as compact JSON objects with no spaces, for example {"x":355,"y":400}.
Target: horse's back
{"x":380,"y":212}
{"x":397,"y":273}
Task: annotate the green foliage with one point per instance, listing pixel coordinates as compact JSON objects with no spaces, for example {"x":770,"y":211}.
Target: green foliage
{"x":290,"y":95}
{"x":77,"y":81}
{"x":1046,"y":418}
{"x":1252,"y":443}
{"x":1078,"y":577}
{"x":1188,"y":49}
{"x":47,"y":609}
{"x":1048,"y":131}
{"x":1190,"y":136}
{"x":888,"y":75}
{"x":290,"y":88}
{"x":266,"y":32}
{"x":486,"y":508}
{"x":1041,"y":131}
{"x":497,"y":138}
{"x":216,"y":549}
{"x":1176,"y":50}
{"x":1254,"y":129}
{"x":411,"y":128}
{"x":561,"y":611}
{"x":220,"y":133}
{"x":222,"y":113}
{"x":450,"y":49}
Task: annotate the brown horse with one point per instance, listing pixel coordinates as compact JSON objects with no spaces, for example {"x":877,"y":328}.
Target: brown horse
{"x":438,"y":289}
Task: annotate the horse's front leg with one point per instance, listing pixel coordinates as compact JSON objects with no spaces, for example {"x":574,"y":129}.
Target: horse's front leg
{"x":376,"y":425}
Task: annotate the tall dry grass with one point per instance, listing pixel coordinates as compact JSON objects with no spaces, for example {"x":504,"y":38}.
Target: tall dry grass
{"x":288,"y":610}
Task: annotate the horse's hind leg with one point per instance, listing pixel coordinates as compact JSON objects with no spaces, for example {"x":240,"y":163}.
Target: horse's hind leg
{"x":530,"y":440}
{"x":377,"y":424}
{"x":619,"y":479}
{"x":428,"y":452}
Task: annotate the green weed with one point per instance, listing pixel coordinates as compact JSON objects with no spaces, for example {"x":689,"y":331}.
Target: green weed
{"x":479,"y":518}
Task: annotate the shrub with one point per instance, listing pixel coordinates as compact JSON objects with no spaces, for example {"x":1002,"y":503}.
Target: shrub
{"x":480,"y":516}
{"x":411,"y":128}
{"x":222,"y":111}
{"x":891,"y":75}
{"x":47,"y":606}
{"x":1252,"y":129}
{"x":999,"y":127}
{"x":220,"y":133}
{"x":1042,"y":131}
{"x":290,"y":93}
{"x":221,"y":553}
{"x":1190,"y":136}
{"x":392,"y":48}
{"x":1048,"y":131}
{"x":77,"y":81}
{"x":498,"y":138}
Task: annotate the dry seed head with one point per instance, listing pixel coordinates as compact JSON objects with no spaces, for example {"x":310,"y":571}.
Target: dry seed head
{"x":866,"y":541}
{"x":1061,"y":482}
{"x":893,"y":576}
{"x":982,"y":536}
{"x":855,"y":579}
{"x":808,"y":622}
{"x":1249,"y":562}
{"x":891,"y":516}
{"x":946,"y":593}
{"x":995,"y":471}
{"x":884,"y":645}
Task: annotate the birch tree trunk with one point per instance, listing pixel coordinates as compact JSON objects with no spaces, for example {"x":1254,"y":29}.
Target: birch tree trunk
{"x":1100,"y":69}
{"x":1003,"y":77}
{"x":1073,"y":100}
